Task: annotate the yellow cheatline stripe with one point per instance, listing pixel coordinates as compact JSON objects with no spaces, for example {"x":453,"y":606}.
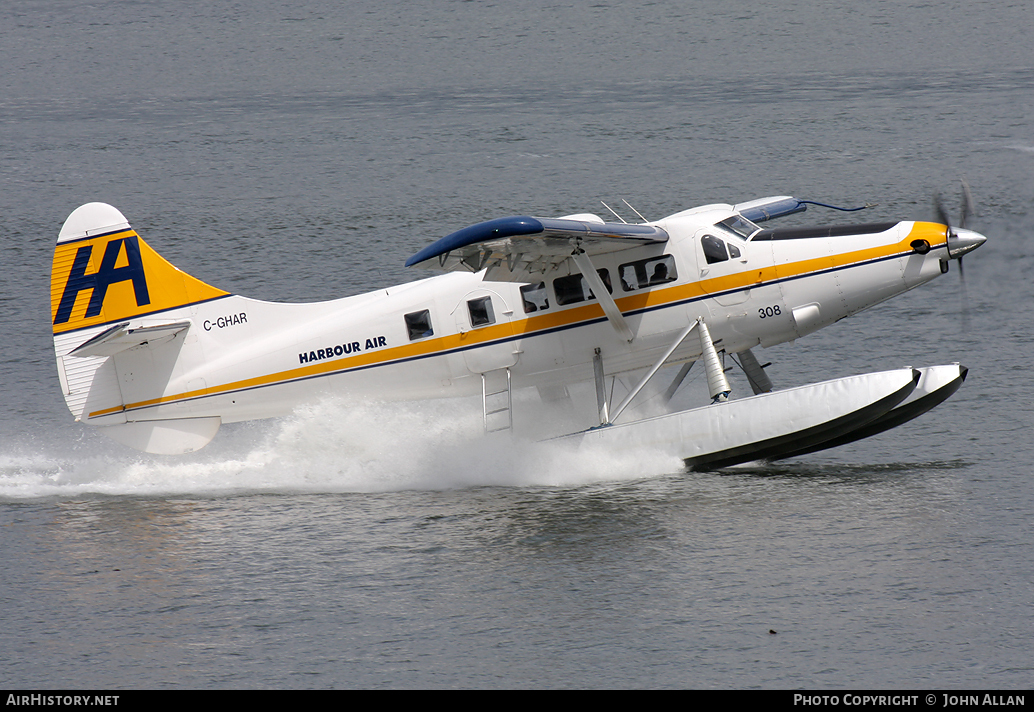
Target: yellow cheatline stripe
{"x":931,"y":232}
{"x":430,"y":347}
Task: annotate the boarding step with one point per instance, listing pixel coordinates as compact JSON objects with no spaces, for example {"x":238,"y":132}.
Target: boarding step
{"x":497,"y":400}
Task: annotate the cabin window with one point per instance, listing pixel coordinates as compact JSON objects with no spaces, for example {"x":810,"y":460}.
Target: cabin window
{"x":648,"y":272}
{"x":419,"y":325}
{"x":573,"y":288}
{"x":714,"y":249}
{"x":535,"y":297}
{"x":481,"y":313}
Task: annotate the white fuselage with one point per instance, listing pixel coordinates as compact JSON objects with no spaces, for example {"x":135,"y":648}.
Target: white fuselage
{"x":243,"y":359}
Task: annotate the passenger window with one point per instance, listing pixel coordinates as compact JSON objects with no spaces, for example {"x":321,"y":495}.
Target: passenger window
{"x":535,"y":297}
{"x":481,"y":313}
{"x":714,"y":249}
{"x":648,"y":272}
{"x":419,"y":325}
{"x":573,"y":288}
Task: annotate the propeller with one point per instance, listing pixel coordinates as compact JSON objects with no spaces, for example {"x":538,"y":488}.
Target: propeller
{"x":958,"y":245}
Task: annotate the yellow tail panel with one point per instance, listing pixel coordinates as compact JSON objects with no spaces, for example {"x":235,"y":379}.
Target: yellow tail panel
{"x":103,"y":272}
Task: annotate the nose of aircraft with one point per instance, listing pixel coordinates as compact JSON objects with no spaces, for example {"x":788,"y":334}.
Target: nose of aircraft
{"x":961,"y":241}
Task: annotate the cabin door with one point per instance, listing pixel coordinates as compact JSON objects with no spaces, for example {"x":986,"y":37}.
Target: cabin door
{"x":722,"y":261}
{"x":485,"y":324}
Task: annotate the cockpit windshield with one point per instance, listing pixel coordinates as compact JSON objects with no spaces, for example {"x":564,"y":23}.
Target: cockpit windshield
{"x":739,"y":226}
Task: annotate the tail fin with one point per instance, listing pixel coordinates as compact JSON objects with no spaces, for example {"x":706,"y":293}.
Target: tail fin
{"x":103,"y":273}
{"x":110,"y":292}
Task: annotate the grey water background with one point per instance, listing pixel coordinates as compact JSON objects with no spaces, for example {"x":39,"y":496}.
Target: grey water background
{"x":302,"y":151}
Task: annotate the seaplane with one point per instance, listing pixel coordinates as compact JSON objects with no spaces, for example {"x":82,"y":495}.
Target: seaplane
{"x":158,"y":360}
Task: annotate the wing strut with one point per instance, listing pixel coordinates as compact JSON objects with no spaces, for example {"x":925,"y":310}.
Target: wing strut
{"x":610,"y":308}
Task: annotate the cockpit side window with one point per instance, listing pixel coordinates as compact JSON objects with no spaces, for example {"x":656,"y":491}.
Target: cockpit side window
{"x":418,"y":324}
{"x":481,"y":313}
{"x":714,"y":249}
{"x":535,"y":297}
{"x":647,"y":273}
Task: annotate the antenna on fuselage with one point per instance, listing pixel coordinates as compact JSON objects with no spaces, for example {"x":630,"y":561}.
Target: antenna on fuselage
{"x":615,"y":213}
{"x":634,"y":210}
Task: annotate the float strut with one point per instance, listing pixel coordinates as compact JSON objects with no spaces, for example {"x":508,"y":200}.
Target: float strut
{"x":759,"y":380}
{"x":679,"y":378}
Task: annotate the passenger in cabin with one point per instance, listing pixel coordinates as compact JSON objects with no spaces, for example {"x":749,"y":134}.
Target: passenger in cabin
{"x":648,"y":272}
{"x":660,"y":274}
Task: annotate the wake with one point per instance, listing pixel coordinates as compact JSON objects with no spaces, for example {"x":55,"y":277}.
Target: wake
{"x":329,"y":447}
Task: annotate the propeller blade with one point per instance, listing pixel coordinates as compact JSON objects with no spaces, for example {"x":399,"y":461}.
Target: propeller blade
{"x":964,"y":296}
{"x":942,"y":214}
{"x":967,"y":204}
{"x":956,"y":245}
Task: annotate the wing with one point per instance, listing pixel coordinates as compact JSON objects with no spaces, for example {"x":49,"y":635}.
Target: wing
{"x":522,"y":248}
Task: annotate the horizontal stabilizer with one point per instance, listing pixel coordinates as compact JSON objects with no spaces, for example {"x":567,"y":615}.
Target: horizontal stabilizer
{"x":165,"y":437}
{"x":121,"y":337}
